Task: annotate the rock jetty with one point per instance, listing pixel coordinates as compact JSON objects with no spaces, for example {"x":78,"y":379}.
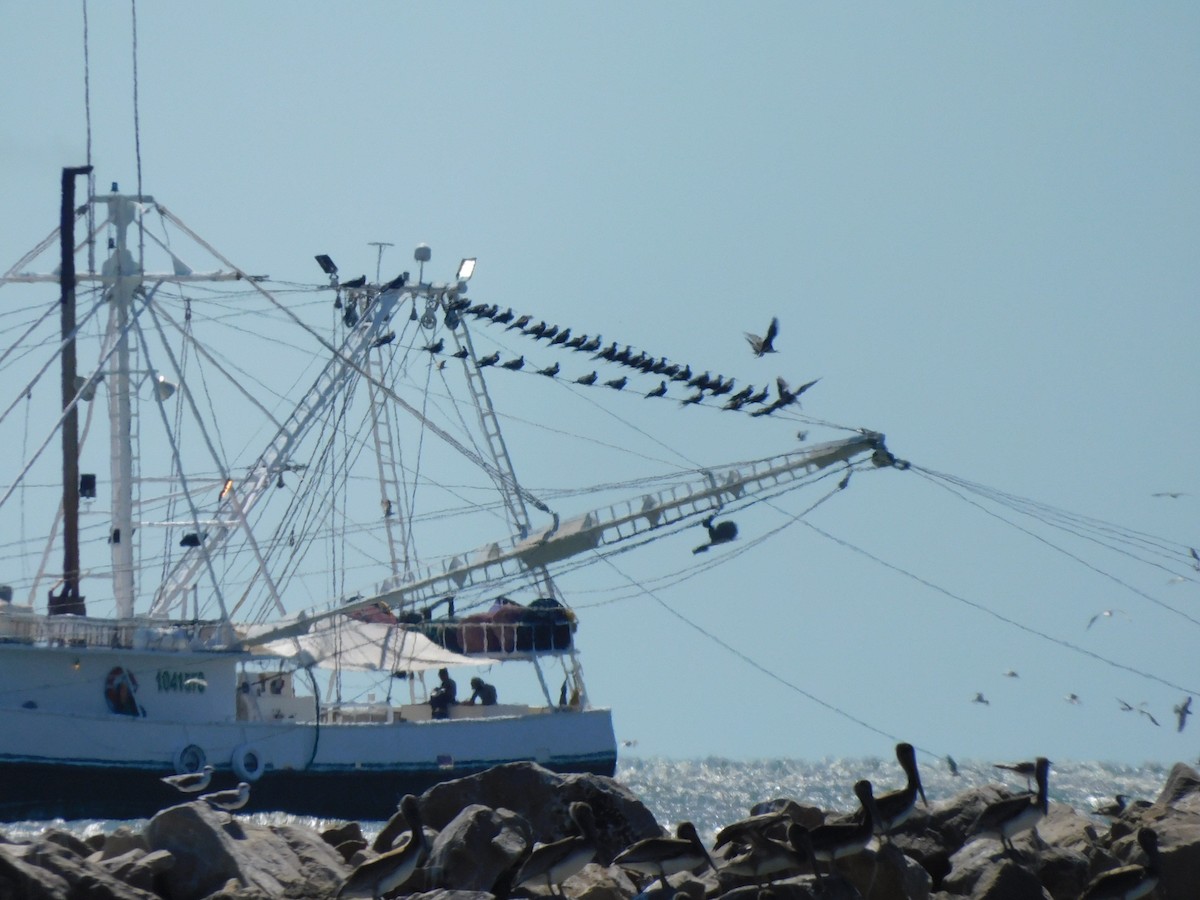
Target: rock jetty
{"x":480,"y":829}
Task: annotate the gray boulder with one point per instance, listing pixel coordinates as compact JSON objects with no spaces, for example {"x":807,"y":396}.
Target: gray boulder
{"x":887,"y":874}
{"x":212,"y":849}
{"x":27,"y":880}
{"x":978,"y":874}
{"x":121,"y":841}
{"x":541,"y":798}
{"x":139,"y":869}
{"x":86,"y":881}
{"x":476,"y":848}
{"x":598,"y":882}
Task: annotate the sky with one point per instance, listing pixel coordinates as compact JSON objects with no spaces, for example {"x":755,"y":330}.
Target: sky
{"x":976,"y":225}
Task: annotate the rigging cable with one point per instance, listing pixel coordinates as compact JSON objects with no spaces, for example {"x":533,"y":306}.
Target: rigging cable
{"x":137,"y":133}
{"x":1002,"y":618}
{"x":933,"y":477}
{"x":1073,"y":522}
{"x":396,"y":398}
{"x":774,"y":676}
{"x":87,"y":112}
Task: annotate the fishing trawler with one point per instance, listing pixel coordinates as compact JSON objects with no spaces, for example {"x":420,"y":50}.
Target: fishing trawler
{"x":234,"y":592}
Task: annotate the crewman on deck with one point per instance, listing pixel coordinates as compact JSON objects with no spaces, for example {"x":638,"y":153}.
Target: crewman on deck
{"x":483,"y":692}
{"x":442,"y":697}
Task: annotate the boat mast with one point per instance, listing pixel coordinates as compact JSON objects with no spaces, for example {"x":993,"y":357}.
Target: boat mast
{"x":123,"y":274}
{"x":69,"y":600}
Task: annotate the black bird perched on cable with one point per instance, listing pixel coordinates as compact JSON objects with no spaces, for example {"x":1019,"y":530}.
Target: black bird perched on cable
{"x":617,"y":383}
{"x":700,"y":381}
{"x":695,"y":398}
{"x":743,"y":395}
{"x":461,"y":353}
{"x":398,"y":282}
{"x":766,"y":343}
{"x":608,"y":352}
{"x":683,"y":374}
{"x":720,"y":533}
{"x":477,"y":310}
{"x":436,"y":347}
{"x":658,"y":391}
{"x":549,"y":371}
{"x":591,"y":346}
{"x":576,"y":342}
{"x":490,"y":360}
{"x":355,"y":282}
{"x":562,"y":337}
{"x":548,"y":333}
{"x":383,"y":339}
{"x":586,"y":379}
{"x":760,"y":397}
{"x":537,"y":330}
{"x":506,"y":316}
{"x":519,"y":323}
{"x":514,"y":365}
{"x":721,"y":386}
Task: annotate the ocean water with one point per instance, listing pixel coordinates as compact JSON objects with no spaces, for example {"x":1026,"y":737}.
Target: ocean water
{"x":713,"y":792}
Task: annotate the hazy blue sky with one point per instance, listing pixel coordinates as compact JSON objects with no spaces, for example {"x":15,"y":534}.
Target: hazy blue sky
{"x":977,"y":224}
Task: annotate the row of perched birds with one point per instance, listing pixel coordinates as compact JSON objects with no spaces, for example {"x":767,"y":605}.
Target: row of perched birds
{"x":751,"y":847}
{"x":669,"y":372}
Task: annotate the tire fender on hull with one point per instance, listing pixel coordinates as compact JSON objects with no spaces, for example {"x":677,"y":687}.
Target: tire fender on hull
{"x":189,"y":759}
{"x":248,"y":763}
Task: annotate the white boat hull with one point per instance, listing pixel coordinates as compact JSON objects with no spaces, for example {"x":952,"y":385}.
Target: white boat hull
{"x":65,"y":752}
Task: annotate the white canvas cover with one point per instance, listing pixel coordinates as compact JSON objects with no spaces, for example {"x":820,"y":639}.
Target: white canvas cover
{"x":370,"y":646}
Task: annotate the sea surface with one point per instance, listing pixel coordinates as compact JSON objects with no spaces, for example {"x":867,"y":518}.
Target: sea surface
{"x":713,"y":792}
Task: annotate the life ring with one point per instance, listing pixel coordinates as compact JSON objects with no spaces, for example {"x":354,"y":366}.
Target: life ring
{"x":248,"y":763}
{"x":119,"y":688}
{"x":189,"y":759}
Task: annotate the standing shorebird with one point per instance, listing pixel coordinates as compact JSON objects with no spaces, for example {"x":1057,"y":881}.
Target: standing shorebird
{"x":229,"y":800}
{"x":390,"y":870}
{"x":1128,"y":882}
{"x":559,"y":860}
{"x":660,"y":857}
{"x":762,"y":823}
{"x":895,"y":807}
{"x":190,"y":782}
{"x":767,"y":858}
{"x":833,"y":840}
{"x":1012,"y":815}
{"x":1025,"y":769}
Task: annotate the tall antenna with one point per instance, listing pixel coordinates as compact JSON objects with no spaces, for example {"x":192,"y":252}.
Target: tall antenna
{"x":379,"y":257}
